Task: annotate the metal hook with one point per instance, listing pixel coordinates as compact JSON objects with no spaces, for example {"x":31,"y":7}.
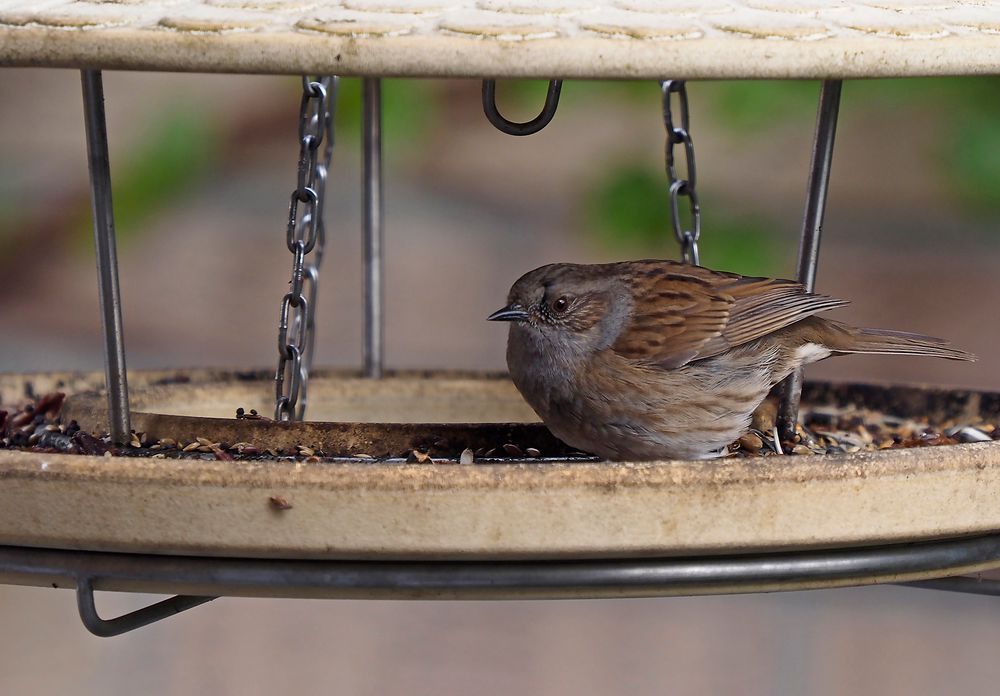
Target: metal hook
{"x":528,"y":127}
{"x":107,"y":628}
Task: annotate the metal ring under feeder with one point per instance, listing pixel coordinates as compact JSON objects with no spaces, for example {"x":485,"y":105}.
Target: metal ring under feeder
{"x":366,"y":522}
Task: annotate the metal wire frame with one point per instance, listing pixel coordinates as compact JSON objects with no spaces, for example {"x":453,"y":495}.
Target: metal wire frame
{"x":917,"y":563}
{"x":812,"y":228}
{"x":372,"y":224}
{"x":109,"y":292}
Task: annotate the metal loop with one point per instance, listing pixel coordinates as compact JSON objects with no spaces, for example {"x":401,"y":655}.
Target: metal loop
{"x":528,"y":127}
{"x":679,"y":88}
{"x":319,"y":186}
{"x":682,"y":137}
{"x":283,"y":410}
{"x":310,"y":198}
{"x":289,"y":371}
{"x":298,"y":270}
{"x":293,"y":320}
{"x":310,"y":86}
{"x":312,"y":116}
{"x":679,"y":185}
{"x":689,"y":249}
{"x":308,"y":154}
{"x":678,"y":189}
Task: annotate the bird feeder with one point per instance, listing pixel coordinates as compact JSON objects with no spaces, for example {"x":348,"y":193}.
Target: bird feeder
{"x":199,"y":504}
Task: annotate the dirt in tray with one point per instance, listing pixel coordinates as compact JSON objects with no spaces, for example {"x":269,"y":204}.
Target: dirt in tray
{"x":37,"y":427}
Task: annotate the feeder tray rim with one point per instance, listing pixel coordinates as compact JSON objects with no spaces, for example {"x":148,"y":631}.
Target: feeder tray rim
{"x":605,"y":39}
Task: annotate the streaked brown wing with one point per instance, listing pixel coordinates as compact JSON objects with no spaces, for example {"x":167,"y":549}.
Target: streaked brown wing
{"x":682,"y":313}
{"x":762,"y":306}
{"x":676,"y":311}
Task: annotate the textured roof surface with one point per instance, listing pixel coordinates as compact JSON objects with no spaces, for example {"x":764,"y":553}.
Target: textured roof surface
{"x":511,"y":38}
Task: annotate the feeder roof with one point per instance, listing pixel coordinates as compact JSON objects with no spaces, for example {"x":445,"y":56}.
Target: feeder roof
{"x":511,"y":38}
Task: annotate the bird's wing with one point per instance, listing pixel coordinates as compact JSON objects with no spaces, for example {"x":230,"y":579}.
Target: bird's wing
{"x":683,"y":313}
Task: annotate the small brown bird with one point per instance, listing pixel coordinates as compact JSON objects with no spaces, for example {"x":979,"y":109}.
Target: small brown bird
{"x":650,"y":359}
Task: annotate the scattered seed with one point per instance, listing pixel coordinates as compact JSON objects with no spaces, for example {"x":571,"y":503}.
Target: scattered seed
{"x":763,"y":418}
{"x":191,"y":447}
{"x":89,"y":444}
{"x":801,"y":449}
{"x":751,"y":442}
{"x":306,"y":451}
{"x":513,"y":450}
{"x":279,"y":503}
{"x":50,"y":404}
{"x":416,"y":456}
{"x":22,"y":419}
{"x":532,"y":452}
{"x":972,"y":435}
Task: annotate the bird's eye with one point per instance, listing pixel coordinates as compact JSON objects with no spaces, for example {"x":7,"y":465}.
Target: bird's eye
{"x":560,"y":305}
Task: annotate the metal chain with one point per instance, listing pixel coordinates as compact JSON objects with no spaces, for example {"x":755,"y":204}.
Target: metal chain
{"x":305,"y":237}
{"x":680,"y":187}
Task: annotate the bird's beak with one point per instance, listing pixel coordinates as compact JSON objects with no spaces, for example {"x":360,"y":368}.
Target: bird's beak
{"x":512,"y":312}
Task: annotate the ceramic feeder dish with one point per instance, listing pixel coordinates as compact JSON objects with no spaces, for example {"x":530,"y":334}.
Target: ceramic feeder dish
{"x":444,"y":485}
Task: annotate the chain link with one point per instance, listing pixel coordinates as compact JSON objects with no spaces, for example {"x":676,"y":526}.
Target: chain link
{"x":305,"y":238}
{"x":681,"y":186}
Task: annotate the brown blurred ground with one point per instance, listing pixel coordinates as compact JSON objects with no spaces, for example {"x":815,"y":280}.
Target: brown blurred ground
{"x":465,"y":216}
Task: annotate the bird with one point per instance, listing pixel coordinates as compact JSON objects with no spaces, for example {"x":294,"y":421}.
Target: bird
{"x":654,"y":359}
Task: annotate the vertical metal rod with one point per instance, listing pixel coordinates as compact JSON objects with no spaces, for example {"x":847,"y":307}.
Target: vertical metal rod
{"x":107,"y":256}
{"x":812,"y":228}
{"x":371,"y":106}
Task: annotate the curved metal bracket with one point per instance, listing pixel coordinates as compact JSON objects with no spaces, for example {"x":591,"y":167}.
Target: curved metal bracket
{"x":528,"y":127}
{"x":106,"y":628}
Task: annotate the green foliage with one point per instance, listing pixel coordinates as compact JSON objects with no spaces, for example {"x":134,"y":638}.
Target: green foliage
{"x":756,"y":105}
{"x":974,"y":164}
{"x":172,"y":156}
{"x":628,"y":212}
{"x":409,"y":108}
{"x":744,"y":244}
{"x":627,"y":209}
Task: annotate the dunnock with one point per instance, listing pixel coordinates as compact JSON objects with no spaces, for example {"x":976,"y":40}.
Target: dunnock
{"x":652,"y":359}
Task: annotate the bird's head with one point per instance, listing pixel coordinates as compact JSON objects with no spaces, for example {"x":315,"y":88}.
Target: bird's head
{"x":563,"y":300}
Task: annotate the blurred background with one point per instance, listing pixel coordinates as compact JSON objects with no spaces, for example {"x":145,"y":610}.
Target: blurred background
{"x":203,"y":166}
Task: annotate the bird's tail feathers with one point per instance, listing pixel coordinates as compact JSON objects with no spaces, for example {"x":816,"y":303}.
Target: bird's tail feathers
{"x":888,"y":342}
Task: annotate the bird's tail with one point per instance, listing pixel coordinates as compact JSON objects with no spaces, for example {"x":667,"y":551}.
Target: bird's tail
{"x":886,"y":341}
